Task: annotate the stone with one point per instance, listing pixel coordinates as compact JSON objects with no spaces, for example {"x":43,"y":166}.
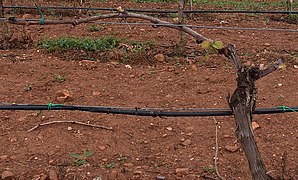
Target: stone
{"x":13,"y":157}
{"x":21,"y":178}
{"x":182,"y":171}
{"x":129,"y":165}
{"x":43,"y":177}
{"x":63,"y":96}
{"x":231,"y":148}
{"x":187,"y":142}
{"x":51,"y":162}
{"x":51,"y":153}
{"x":96,"y":93}
{"x":101,"y":148}
{"x":36,"y":177}
{"x":113,"y":174}
{"x":13,"y":139}
{"x":7,"y":175}
{"x":262,"y":66}
{"x":194,"y":67}
{"x":266,"y":44}
{"x":97,"y":178}
{"x":128,"y":66}
{"x":160,"y":177}
{"x":190,"y":129}
{"x":53,"y":175}
{"x":137,"y":172}
{"x":3,"y":157}
{"x":22,"y":119}
{"x":169,"y":128}
{"x":255,"y":125}
{"x":169,"y":96}
{"x":159,"y":57}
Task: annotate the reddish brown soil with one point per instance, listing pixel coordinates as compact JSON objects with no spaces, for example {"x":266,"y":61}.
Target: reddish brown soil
{"x":145,"y":147}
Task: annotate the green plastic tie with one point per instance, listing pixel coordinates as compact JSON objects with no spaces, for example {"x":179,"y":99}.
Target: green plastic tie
{"x":285,"y":108}
{"x":50,"y":105}
{"x":41,"y":21}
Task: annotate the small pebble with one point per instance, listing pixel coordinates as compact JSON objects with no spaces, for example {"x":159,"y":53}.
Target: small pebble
{"x":169,"y":128}
{"x":160,"y":177}
{"x":187,"y":142}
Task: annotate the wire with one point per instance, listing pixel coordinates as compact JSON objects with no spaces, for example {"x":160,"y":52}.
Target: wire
{"x":183,"y":25}
{"x":201,"y":27}
{"x":143,"y":111}
{"x":162,"y":11}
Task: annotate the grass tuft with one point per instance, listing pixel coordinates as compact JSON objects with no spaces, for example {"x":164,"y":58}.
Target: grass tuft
{"x":86,"y":44}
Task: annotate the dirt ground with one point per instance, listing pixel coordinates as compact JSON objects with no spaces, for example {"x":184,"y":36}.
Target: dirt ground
{"x":145,"y":147}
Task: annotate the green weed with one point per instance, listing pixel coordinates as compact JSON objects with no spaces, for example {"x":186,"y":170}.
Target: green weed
{"x":177,"y":63}
{"x":140,"y":46}
{"x":86,"y":44}
{"x":122,"y":158}
{"x":80,"y":160}
{"x":27,"y":87}
{"x":93,"y":28}
{"x":291,"y":18}
{"x":60,"y":78}
{"x":243,"y":4}
{"x":159,"y":1}
{"x":209,"y":169}
{"x":110,"y":165}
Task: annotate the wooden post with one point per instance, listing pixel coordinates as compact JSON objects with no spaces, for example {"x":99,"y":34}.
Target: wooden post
{"x":191,"y":5}
{"x":290,"y":5}
{"x":242,"y":104}
{"x":6,"y":34}
{"x":1,"y":9}
{"x":181,"y":5}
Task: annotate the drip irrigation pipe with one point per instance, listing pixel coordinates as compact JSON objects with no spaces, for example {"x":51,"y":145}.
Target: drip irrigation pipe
{"x":144,"y":111}
{"x":161,"y":11}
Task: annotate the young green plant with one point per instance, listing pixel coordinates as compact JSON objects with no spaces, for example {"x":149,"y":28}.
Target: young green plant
{"x":211,"y":47}
{"x":80,"y":160}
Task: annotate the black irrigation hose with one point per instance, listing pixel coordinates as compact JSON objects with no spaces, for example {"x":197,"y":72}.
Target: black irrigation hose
{"x":155,"y":10}
{"x":144,"y":112}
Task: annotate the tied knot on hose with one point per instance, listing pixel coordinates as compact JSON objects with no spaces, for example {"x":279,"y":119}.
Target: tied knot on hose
{"x":285,"y":108}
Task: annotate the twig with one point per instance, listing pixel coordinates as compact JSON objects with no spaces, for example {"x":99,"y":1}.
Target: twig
{"x":73,"y":122}
{"x":216,"y":150}
{"x":283,"y":165}
{"x":128,"y":134}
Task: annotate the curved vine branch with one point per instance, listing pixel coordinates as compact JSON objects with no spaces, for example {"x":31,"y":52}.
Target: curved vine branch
{"x":124,"y":14}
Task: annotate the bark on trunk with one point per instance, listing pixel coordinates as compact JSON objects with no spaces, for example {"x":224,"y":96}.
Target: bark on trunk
{"x":242,"y":104}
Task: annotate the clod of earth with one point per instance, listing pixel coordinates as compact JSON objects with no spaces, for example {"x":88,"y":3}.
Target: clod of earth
{"x":53,"y":175}
{"x":232,"y":148}
{"x":7,"y":175}
{"x":160,"y":57}
{"x":182,"y":171}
